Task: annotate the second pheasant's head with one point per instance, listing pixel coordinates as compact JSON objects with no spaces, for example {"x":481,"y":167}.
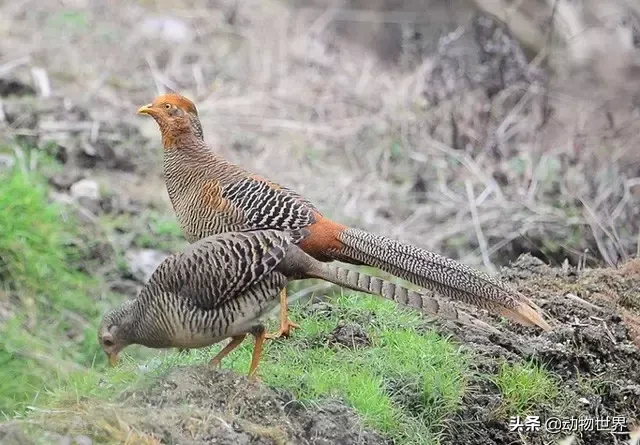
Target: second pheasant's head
{"x":115,"y":333}
{"x":176,"y":116}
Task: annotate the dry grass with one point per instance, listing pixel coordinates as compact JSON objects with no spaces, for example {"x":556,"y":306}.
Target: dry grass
{"x":107,"y":423}
{"x":279,"y":93}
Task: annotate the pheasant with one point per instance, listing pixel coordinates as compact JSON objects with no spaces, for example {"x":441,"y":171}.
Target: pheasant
{"x":223,"y":286}
{"x":211,"y":195}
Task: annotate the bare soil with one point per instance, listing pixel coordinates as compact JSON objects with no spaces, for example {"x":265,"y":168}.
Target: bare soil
{"x":223,"y":407}
{"x":593,"y":349}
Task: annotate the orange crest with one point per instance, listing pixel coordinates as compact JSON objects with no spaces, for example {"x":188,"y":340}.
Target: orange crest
{"x":177,"y":100}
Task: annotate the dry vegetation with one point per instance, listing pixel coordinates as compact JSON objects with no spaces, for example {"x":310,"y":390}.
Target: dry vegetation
{"x":453,"y":141}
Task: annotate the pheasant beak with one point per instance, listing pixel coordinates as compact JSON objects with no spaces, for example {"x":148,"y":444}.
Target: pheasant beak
{"x":113,"y":358}
{"x":146,"y":109}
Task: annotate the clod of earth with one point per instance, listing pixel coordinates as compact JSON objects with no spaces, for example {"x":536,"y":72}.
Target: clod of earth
{"x":350,"y":335}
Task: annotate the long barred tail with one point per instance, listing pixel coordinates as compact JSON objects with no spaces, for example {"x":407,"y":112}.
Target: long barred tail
{"x":363,"y":282}
{"x":443,"y":275}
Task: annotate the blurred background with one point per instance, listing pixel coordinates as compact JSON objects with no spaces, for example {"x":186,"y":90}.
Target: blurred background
{"x":426,"y":120}
{"x":477,"y":129}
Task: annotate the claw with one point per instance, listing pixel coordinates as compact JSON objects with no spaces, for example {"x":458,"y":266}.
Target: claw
{"x":284,"y":331}
{"x":286,"y":325}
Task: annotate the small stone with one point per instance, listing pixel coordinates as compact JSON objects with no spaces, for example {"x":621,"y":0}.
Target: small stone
{"x":143,"y":262}
{"x":11,"y":433}
{"x":83,"y":440}
{"x":168,"y":28}
{"x":85,"y":188}
{"x":584,"y":401}
{"x":125,"y":287}
{"x":65,"y":179}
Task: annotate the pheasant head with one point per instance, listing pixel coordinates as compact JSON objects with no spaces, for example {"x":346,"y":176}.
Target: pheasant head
{"x":115,"y":331}
{"x":177,"y":118}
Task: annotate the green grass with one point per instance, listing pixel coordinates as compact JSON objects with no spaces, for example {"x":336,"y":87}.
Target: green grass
{"x":151,"y":230}
{"x":525,"y":386}
{"x":48,"y":335}
{"x":160,"y":232}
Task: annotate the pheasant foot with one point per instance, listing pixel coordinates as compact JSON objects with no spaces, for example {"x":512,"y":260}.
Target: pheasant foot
{"x":286,"y":325}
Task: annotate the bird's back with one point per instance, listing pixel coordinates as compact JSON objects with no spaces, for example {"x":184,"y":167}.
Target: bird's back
{"x":217,"y":287}
{"x":211,"y":195}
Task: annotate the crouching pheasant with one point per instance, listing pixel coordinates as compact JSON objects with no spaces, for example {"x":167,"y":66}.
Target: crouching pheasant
{"x":223,"y":286}
{"x":211,"y":195}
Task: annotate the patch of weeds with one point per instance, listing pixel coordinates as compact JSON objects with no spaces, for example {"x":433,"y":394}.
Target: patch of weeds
{"x":630,"y":300}
{"x":34,"y":240}
{"x":160,"y":232}
{"x":525,"y":386}
{"x":52,"y":305}
{"x":150,"y":230}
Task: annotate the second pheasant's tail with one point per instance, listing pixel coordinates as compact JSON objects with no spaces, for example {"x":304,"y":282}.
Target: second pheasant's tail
{"x":444,"y":275}
{"x":363,"y":282}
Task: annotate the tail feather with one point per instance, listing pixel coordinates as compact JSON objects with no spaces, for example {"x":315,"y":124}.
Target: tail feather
{"x":444,"y":275}
{"x":362,"y":282}
{"x":523,"y":314}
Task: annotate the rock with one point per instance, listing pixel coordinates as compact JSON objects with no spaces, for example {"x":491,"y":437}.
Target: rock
{"x":143,"y":262}
{"x":6,"y":162}
{"x":168,"y":28}
{"x":98,"y":153}
{"x":11,"y":434}
{"x":84,"y":215}
{"x":85,"y":188}
{"x":125,"y":287}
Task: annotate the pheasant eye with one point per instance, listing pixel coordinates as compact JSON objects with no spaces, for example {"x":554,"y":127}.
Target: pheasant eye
{"x":167,"y":106}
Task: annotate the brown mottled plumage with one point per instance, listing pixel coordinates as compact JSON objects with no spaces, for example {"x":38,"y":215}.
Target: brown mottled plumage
{"x":211,"y":195}
{"x":223,"y":286}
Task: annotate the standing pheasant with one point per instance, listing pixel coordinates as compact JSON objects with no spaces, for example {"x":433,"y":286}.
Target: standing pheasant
{"x":223,"y":286}
{"x":211,"y":195}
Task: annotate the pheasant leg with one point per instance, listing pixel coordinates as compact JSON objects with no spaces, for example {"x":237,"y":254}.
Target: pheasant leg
{"x":233,"y":344}
{"x":257,"y":353}
{"x":286,"y":325}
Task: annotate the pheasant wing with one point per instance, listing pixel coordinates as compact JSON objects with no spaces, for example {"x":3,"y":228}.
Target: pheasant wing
{"x":255,"y":203}
{"x":217,"y":269}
